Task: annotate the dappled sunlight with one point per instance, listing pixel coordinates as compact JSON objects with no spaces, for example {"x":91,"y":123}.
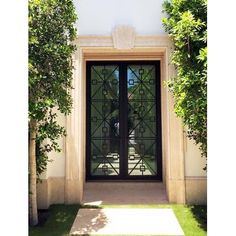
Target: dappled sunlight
{"x":89,"y":221}
{"x":62,"y":217}
{"x":126,"y":221}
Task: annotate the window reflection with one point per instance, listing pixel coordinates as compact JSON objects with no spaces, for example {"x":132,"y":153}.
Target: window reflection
{"x":105,"y":143}
{"x":141,"y":117}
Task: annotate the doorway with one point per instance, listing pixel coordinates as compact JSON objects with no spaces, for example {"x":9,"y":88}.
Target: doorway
{"x":123,"y":120}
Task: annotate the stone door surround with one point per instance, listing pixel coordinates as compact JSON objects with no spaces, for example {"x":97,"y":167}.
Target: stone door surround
{"x":134,"y":47}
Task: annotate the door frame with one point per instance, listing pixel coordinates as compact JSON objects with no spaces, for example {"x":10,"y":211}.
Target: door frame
{"x":122,"y":66}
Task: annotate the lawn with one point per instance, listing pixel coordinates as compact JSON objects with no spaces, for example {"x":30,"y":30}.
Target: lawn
{"x":59,"y":222}
{"x":192,"y":219}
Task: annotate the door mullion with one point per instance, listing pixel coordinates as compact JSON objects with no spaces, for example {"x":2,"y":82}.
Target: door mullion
{"x":121,"y":119}
{"x":125,"y":118}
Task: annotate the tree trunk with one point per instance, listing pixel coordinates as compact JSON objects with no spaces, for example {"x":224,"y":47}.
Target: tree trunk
{"x":33,"y":176}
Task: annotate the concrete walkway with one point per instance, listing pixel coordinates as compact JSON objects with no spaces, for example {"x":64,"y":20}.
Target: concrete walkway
{"x":96,"y":193}
{"x":126,"y":221}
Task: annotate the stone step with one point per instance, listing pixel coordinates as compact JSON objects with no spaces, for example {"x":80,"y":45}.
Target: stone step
{"x":96,"y":193}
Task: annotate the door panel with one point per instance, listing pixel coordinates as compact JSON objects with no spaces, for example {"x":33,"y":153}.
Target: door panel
{"x":141,"y":120}
{"x":104,"y":132}
{"x":123,"y":120}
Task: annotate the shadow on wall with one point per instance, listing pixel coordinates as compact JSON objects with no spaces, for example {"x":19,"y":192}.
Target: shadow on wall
{"x":200,"y":214}
{"x":90,"y":222}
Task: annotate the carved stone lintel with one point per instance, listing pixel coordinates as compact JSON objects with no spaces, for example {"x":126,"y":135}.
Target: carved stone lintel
{"x":123,"y":37}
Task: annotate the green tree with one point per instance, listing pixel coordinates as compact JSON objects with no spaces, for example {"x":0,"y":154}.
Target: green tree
{"x":51,"y":31}
{"x":186,"y":24}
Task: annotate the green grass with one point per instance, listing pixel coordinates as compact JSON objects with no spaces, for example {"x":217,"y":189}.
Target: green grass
{"x":192,"y":218}
{"x":59,"y":222}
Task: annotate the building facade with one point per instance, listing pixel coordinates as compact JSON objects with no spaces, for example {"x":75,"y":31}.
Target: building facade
{"x":123,"y":126}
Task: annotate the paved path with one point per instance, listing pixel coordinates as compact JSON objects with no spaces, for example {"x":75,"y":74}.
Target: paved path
{"x":126,"y":221}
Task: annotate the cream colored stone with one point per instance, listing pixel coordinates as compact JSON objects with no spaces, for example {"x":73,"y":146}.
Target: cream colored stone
{"x":148,"y":41}
{"x":56,"y":189}
{"x":124,"y":193}
{"x":50,"y":191}
{"x":176,"y":191}
{"x":42,"y":194}
{"x":175,"y":159}
{"x":164,"y":115}
{"x":123,"y":37}
{"x":92,"y":48}
{"x":196,"y":190}
{"x":72,"y":192}
{"x":74,"y":145}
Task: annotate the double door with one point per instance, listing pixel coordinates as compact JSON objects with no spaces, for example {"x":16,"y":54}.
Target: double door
{"x":123,"y":120}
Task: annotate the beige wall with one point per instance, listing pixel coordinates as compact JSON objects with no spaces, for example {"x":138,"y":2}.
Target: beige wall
{"x":194,"y":163}
{"x":50,"y":191}
{"x":56,"y":167}
{"x":196,"y":190}
{"x":195,"y":176}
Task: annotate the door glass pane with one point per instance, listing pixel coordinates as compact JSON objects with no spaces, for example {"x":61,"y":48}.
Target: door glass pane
{"x":104,"y":121}
{"x":141,"y":86}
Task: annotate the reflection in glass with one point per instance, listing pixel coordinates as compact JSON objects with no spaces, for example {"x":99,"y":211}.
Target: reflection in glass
{"x":139,"y":141}
{"x":105,"y":142}
{"x":141,"y":120}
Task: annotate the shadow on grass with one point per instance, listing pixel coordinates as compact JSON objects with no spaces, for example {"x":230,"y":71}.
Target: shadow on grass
{"x":193,"y":219}
{"x":57,"y":220}
{"x":58,"y":223}
{"x":200,"y":214}
{"x":91,"y":206}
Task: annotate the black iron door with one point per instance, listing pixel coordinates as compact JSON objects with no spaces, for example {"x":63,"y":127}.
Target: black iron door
{"x":123,"y":120}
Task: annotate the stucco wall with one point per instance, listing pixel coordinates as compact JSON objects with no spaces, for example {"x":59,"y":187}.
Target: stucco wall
{"x":195,"y":176}
{"x":51,"y":189}
{"x":194,"y":163}
{"x":56,"y":168}
{"x":98,"y":17}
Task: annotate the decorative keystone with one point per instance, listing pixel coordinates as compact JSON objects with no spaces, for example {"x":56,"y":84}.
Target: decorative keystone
{"x":123,"y":37}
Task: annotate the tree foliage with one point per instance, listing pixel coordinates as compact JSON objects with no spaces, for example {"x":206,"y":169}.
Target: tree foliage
{"x":186,"y":24}
{"x":51,"y":31}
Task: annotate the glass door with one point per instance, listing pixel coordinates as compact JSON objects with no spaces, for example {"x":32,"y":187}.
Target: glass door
{"x":123,"y":120}
{"x":142,"y":117}
{"x":104,"y":121}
